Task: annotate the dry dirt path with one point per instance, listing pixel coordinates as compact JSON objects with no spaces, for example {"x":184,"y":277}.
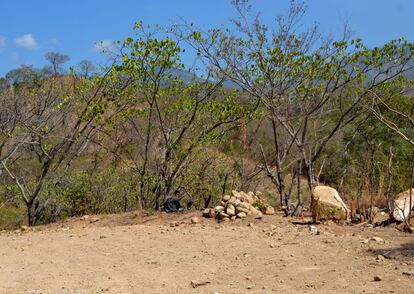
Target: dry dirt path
{"x":127,"y":254}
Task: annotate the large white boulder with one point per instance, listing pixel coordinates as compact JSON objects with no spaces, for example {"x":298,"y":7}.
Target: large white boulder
{"x":327,"y":204}
{"x":401,"y":205}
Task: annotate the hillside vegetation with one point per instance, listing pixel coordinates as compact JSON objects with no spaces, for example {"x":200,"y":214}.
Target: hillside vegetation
{"x":277,"y":109}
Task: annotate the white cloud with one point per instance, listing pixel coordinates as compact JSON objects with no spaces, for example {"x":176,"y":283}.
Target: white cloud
{"x":104,"y":46}
{"x":2,"y":42}
{"x":26,"y":41}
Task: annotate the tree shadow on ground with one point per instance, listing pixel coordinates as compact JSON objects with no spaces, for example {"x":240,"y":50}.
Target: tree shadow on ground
{"x":405,"y":250}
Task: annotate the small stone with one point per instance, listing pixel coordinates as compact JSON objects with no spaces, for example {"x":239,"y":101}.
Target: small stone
{"x":230,"y":210}
{"x":195,"y":220}
{"x":377,"y":239}
{"x":218,"y":208}
{"x":174,"y":224}
{"x":226,"y":198}
{"x":269,"y":210}
{"x":223,"y":215}
{"x":241,"y":215}
{"x":377,"y":278}
{"x":232,"y":200}
{"x":242,"y":209}
{"x":94,"y":219}
{"x":314,"y":230}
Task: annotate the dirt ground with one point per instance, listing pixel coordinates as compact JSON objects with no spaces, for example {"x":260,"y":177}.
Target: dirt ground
{"x":133,"y":253}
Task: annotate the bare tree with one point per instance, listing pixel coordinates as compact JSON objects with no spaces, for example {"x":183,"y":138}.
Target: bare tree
{"x":50,"y":127}
{"x":57,"y":60}
{"x":310,"y":87}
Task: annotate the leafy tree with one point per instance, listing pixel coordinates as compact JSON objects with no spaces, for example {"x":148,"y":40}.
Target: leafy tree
{"x":167,"y":119}
{"x":23,"y":74}
{"x":310,"y":87}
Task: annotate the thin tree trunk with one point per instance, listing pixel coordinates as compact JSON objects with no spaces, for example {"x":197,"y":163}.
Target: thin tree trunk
{"x":389,"y":181}
{"x":408,"y":218}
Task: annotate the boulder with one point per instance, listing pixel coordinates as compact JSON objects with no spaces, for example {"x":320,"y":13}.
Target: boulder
{"x":401,"y":205}
{"x":327,"y":204}
{"x":218,"y":209}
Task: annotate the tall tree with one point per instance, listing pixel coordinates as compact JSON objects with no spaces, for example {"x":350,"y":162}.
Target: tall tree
{"x":57,"y":60}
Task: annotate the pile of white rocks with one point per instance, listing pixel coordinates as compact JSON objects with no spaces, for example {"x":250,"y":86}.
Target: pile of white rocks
{"x":239,"y":205}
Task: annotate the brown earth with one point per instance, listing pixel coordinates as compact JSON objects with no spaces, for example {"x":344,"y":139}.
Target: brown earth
{"x":130,"y":253}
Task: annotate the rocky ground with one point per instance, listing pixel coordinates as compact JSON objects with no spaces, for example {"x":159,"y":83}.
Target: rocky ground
{"x":162,"y":253}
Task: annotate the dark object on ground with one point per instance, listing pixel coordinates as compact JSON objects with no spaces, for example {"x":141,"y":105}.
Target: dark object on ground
{"x":172,"y":204}
{"x":356,"y":218}
{"x":196,"y":284}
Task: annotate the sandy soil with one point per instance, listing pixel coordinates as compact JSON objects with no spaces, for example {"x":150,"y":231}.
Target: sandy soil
{"x":144,"y":254}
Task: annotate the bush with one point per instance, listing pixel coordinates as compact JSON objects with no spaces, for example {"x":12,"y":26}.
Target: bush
{"x":12,"y":217}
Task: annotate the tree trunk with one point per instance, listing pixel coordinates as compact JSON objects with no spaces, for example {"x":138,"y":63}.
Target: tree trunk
{"x":31,"y":215}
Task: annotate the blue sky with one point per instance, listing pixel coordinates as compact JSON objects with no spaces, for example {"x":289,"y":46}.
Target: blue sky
{"x":30,"y":28}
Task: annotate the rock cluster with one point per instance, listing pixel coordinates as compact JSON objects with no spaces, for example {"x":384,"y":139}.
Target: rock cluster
{"x":239,"y":205}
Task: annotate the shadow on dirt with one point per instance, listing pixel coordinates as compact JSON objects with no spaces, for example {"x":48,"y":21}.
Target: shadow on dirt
{"x":404,"y":251}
